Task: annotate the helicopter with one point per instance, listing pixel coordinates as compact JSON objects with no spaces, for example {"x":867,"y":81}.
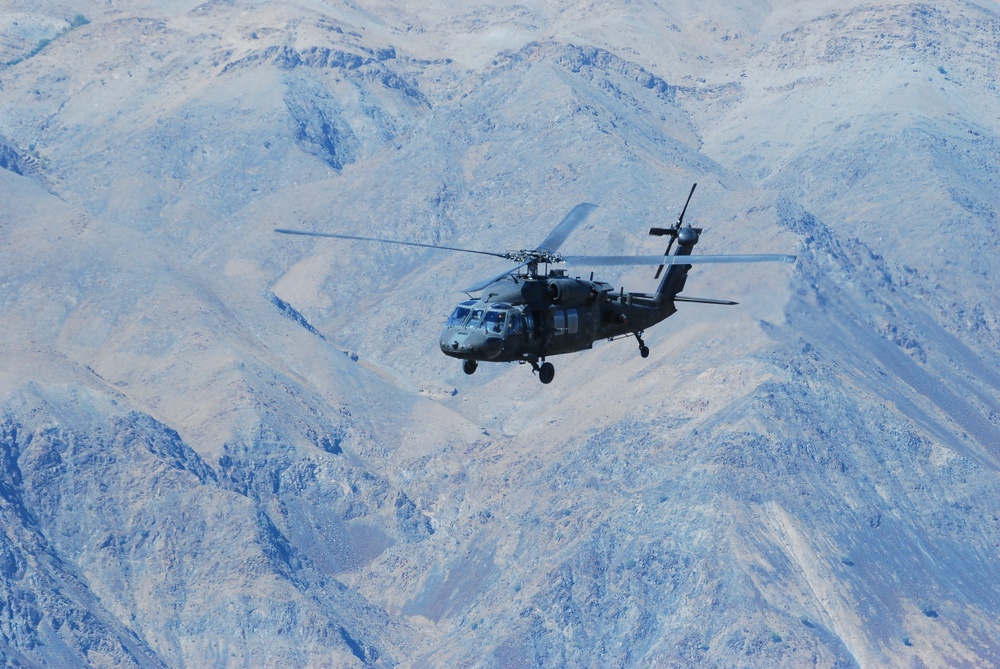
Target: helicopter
{"x":526,"y":314}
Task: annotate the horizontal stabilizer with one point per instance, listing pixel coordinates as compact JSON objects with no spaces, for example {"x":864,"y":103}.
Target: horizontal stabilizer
{"x":703,"y":300}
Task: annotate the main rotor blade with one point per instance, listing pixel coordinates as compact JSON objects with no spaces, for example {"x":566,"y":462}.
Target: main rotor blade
{"x":308,"y":233}
{"x":493,"y":279}
{"x":574,"y":218}
{"x":676,"y":259}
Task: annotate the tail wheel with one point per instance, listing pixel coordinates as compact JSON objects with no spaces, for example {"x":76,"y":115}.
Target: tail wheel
{"x":546,"y":372}
{"x":470,"y":366}
{"x":643,"y":349}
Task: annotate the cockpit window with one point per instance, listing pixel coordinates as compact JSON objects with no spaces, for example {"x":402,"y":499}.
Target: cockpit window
{"x":476,"y":318}
{"x":494,"y":321}
{"x":457,"y":318}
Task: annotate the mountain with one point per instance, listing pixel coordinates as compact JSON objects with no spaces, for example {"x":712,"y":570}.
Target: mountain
{"x":227,"y":447}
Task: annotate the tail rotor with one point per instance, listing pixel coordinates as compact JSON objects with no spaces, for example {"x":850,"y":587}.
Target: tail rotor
{"x":672,"y":231}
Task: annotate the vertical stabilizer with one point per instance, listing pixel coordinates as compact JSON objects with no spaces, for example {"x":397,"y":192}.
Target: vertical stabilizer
{"x":673,"y":281}
{"x":686,"y":237}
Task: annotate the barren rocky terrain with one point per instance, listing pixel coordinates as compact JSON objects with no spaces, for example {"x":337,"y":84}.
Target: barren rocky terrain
{"x":224,"y":447}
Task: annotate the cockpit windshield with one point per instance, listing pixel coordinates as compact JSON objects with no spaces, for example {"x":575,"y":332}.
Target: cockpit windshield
{"x":458,"y":316}
{"x":476,"y":319}
{"x":494,"y":321}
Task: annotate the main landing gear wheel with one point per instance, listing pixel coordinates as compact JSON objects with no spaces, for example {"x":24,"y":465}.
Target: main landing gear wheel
{"x":470,"y":366}
{"x":643,"y":349}
{"x":546,"y":372}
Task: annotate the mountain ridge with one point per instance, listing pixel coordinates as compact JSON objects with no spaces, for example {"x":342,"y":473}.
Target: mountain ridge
{"x":223,"y":446}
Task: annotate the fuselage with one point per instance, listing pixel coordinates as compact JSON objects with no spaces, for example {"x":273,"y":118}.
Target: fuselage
{"x":529,"y":318}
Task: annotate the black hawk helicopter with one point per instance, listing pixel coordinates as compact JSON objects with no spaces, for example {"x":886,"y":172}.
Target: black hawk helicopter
{"x":525,"y":315}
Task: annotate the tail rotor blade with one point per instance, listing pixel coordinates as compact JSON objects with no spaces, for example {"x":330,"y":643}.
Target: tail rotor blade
{"x":680,"y":219}
{"x":659,"y":270}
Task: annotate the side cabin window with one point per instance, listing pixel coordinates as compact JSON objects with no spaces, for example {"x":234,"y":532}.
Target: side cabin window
{"x":515,"y":324}
{"x":572,"y":321}
{"x":566,"y":322}
{"x":528,"y":321}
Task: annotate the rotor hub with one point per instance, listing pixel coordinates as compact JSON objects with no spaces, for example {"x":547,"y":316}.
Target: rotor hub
{"x":535,"y":256}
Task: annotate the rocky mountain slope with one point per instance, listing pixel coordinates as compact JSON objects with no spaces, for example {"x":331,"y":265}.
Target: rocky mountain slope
{"x":225,"y":447}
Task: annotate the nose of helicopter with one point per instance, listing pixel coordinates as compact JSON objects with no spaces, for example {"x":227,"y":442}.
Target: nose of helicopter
{"x":453,"y":342}
{"x":469,"y":345}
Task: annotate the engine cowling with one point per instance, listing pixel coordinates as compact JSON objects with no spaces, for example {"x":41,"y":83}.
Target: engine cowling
{"x":571,"y":291}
